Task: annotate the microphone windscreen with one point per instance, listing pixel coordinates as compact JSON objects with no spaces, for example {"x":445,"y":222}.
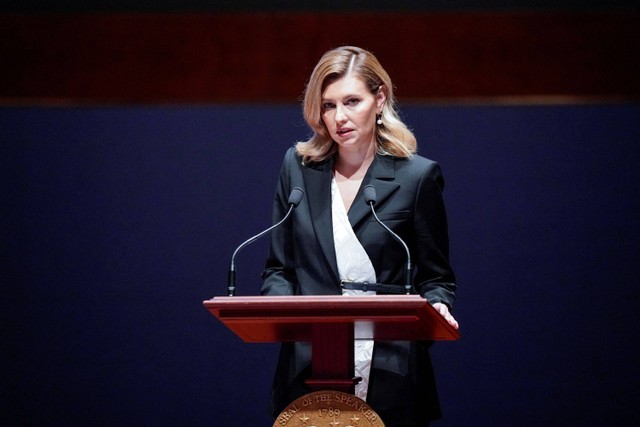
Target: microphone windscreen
{"x":296,"y":196}
{"x":369,"y":194}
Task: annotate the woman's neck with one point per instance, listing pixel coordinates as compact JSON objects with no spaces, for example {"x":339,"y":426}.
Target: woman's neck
{"x":354,"y":164}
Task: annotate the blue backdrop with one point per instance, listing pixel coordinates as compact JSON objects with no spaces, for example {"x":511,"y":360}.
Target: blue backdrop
{"x":117,"y":222}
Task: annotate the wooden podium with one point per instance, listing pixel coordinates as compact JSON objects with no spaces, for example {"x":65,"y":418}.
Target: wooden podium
{"x":331,"y":323}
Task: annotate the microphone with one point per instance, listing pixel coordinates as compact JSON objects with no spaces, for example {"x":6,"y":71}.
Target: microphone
{"x":294,"y":200}
{"x":370,"y":199}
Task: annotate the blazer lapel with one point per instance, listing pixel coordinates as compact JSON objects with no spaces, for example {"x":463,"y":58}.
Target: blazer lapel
{"x":317,"y":179}
{"x":381,"y":175}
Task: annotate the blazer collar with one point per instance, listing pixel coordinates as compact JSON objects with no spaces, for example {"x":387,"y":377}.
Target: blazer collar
{"x":317,"y":178}
{"x":317,"y":181}
{"x":381,"y":175}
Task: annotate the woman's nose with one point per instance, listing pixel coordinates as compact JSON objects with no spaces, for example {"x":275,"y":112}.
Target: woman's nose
{"x":340,"y":115}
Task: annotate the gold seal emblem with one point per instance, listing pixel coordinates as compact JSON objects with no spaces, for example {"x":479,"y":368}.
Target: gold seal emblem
{"x":328,"y":409}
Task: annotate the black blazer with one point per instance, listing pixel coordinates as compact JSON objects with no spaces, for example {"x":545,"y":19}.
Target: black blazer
{"x":302,"y":261}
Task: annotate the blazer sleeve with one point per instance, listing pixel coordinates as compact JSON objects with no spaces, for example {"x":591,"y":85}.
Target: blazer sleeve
{"x":279,"y":277}
{"x":434,"y":278}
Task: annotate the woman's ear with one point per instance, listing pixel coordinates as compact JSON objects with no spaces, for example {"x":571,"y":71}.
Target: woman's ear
{"x":381,"y":97}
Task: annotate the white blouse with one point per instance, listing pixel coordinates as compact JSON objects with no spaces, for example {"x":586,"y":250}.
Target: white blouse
{"x":353,"y":265}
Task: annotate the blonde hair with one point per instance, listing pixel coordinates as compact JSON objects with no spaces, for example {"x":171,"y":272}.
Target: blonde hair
{"x":392,"y":137}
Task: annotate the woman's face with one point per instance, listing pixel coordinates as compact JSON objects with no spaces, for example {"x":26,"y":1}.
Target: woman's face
{"x":349,"y":112}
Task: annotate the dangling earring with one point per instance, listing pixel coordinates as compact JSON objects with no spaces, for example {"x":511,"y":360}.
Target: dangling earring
{"x":379,"y":121}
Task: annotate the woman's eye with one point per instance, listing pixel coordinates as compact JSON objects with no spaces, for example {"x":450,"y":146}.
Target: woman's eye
{"x":353,"y":101}
{"x":327,"y":106}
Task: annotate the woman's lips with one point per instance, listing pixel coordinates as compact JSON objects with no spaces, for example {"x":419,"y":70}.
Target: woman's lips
{"x":343,"y":132}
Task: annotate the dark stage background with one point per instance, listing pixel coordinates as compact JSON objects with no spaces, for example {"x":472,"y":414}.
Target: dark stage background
{"x":137,"y":150}
{"x":117,"y":222}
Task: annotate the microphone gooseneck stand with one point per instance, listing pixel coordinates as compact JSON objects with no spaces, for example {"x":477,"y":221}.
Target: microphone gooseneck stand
{"x":294,"y":200}
{"x":370,"y":198}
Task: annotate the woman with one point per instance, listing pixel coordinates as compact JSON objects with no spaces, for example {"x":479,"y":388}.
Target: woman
{"x":332,"y":237}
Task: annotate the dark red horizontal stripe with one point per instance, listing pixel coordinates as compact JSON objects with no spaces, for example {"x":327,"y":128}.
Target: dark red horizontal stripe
{"x":267,"y":57}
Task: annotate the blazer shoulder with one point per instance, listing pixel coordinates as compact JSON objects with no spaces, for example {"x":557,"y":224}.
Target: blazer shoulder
{"x":291,"y":156}
{"x":293,"y":170}
{"x":291,"y":162}
{"x":425,"y":163}
{"x":420,"y":167}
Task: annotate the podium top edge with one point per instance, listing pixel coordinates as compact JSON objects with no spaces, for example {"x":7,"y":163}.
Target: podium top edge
{"x":316,"y":298}
{"x":302,"y":301}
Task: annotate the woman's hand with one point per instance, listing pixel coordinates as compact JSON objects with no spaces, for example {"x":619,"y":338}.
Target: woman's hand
{"x":444,"y":311}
